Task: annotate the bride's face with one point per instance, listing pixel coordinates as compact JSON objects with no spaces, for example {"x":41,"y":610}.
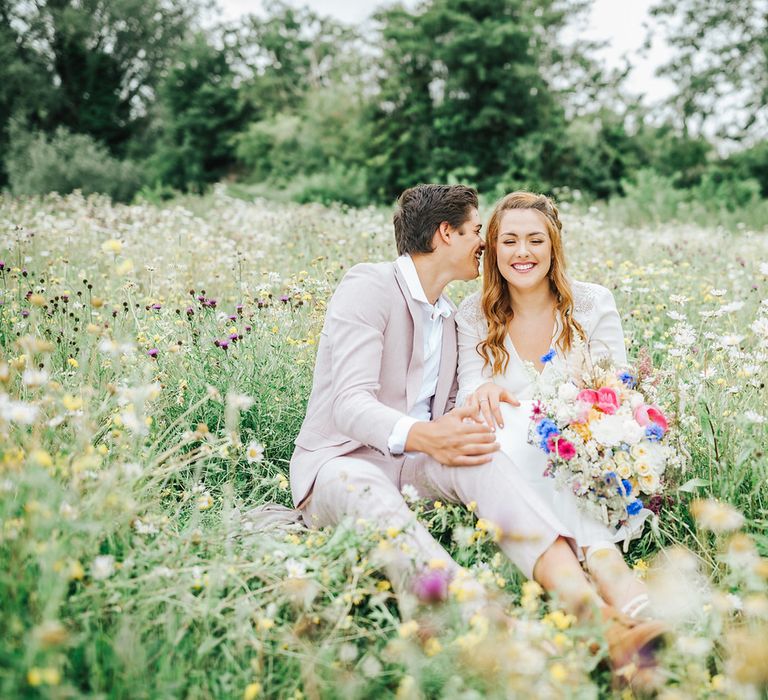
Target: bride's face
{"x":524,"y":248}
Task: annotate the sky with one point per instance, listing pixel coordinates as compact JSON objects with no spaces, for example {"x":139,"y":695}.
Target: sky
{"x":620,"y":22}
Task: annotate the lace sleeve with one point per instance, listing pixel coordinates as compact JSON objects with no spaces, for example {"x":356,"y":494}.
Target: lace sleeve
{"x":602,"y":323}
{"x":472,"y":329}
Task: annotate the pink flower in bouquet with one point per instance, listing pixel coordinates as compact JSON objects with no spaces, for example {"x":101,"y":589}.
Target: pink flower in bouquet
{"x":645,"y":415}
{"x":537,"y":411}
{"x":607,"y":401}
{"x":587,"y":396}
{"x":565,"y":449}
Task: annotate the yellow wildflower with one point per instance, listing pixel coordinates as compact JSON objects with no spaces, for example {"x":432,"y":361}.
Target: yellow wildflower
{"x":558,"y":672}
{"x":559,"y":619}
{"x":112,"y":246}
{"x":41,"y":458}
{"x":408,"y":629}
{"x":252,"y":691}
{"x":72,"y":403}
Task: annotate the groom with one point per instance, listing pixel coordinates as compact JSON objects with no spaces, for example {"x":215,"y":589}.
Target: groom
{"x":381,"y":415}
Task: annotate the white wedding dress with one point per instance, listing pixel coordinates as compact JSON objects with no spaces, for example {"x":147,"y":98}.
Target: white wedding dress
{"x":595,"y":310}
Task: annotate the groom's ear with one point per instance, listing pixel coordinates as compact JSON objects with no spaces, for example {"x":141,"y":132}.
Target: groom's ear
{"x":445,"y":232}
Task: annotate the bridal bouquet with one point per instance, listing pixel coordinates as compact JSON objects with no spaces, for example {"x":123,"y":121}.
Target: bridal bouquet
{"x":606,"y":442}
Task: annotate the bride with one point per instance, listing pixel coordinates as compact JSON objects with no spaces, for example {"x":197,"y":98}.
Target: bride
{"x":529,"y":325}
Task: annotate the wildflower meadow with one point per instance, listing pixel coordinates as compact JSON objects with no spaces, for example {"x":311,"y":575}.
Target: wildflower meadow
{"x":155,"y":363}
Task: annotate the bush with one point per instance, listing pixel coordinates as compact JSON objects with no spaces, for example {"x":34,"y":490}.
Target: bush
{"x":652,"y":198}
{"x":338,"y":183}
{"x":65,"y":162}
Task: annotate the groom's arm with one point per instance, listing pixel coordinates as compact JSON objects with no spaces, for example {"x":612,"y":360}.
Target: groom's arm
{"x":356,"y":321}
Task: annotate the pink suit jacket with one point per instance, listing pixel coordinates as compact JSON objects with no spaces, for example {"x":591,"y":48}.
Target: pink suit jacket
{"x":368,"y":371}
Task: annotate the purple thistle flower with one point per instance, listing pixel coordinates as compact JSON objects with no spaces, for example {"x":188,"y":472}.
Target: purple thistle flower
{"x":233,"y":336}
{"x":285,"y":298}
{"x":431,"y":586}
{"x":211,"y":303}
{"x":153,"y":353}
{"x":247,"y":329}
{"x":25,"y":313}
{"x":239,"y":308}
{"x":2,"y":265}
{"x":232,"y":317}
{"x":190,"y":311}
{"x":157,"y":307}
{"x":261,"y":303}
{"x":224,"y":344}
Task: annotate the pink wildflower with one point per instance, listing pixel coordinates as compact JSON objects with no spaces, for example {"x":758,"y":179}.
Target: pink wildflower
{"x":432,"y":586}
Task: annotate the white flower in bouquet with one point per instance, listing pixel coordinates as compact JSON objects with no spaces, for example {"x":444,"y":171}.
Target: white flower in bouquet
{"x":614,"y":430}
{"x":567,"y":391}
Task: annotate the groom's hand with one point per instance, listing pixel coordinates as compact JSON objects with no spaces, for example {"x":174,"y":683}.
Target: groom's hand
{"x":457,"y":439}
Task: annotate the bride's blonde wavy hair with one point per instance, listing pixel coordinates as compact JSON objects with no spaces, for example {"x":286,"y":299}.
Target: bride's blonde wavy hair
{"x":496,"y":301}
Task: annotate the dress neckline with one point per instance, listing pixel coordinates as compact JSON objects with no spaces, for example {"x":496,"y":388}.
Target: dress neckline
{"x":539,"y":372}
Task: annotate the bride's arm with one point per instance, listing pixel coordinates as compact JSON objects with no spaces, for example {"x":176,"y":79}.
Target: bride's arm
{"x":471,"y":372}
{"x":606,"y":337}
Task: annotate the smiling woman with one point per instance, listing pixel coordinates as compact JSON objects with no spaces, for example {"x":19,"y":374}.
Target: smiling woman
{"x":530,"y":327}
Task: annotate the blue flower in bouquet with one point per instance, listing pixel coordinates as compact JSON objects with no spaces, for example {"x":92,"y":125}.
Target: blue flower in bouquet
{"x":626,"y":487}
{"x":610,"y":478}
{"x":549,"y":356}
{"x":547,"y":428}
{"x":628,"y":379}
{"x":635,"y":507}
{"x":654,"y":432}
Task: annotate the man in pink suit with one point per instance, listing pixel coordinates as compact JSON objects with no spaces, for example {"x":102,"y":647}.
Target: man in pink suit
{"x":381,"y":413}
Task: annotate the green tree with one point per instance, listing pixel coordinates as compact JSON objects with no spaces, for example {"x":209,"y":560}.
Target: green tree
{"x":291,"y":52}
{"x":92,"y":65}
{"x":200,"y":112}
{"x":720,"y":59}
{"x":463,"y":85}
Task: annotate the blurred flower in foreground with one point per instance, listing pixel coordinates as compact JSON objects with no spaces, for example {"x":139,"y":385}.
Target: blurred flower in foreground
{"x":252,"y":691}
{"x":676,"y":586}
{"x":432,"y":586}
{"x":716,"y":516}
{"x":748,"y":655}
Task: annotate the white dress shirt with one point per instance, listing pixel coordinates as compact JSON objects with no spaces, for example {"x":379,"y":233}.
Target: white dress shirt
{"x":433,"y":315}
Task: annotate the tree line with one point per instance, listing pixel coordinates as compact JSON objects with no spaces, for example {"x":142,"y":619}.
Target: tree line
{"x":123,"y":96}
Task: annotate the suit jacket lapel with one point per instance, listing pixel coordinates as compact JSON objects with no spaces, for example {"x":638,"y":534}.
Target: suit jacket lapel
{"x":416,"y":363}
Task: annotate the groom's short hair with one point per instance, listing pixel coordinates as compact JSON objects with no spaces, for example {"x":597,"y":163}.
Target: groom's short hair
{"x":421,"y":210}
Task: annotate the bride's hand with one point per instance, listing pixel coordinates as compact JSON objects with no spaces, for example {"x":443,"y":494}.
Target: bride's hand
{"x":488,"y":398}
